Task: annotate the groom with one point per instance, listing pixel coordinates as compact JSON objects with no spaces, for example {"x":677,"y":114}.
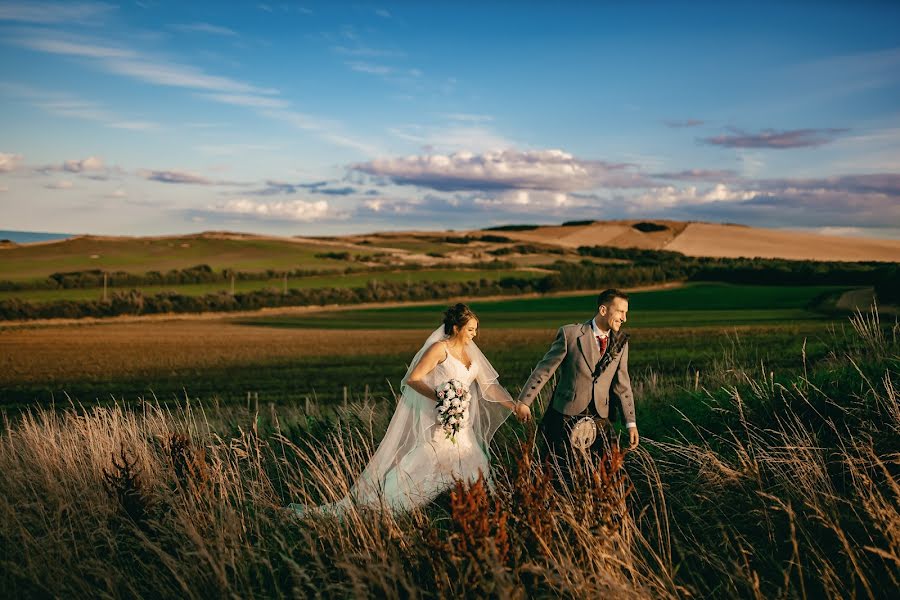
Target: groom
{"x":592,"y":361}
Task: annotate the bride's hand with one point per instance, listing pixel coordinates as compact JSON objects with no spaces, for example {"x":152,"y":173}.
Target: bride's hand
{"x":523,"y":412}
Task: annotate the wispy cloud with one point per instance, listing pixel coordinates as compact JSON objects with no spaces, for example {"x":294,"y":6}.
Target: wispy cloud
{"x":179,"y":177}
{"x":129,"y":63}
{"x":776,"y":140}
{"x":713,"y":175}
{"x":55,"y":12}
{"x":887,"y":184}
{"x":382,"y":70}
{"x":468,"y":118}
{"x":67,"y":105}
{"x":367,"y":51}
{"x":249,"y":100}
{"x":234,"y":149}
{"x":275,"y":188}
{"x":326,"y":129}
{"x":846,"y":74}
{"x":453,"y":137}
{"x":92,"y":167}
{"x":204,"y":28}
{"x":60,"y":185}
{"x":505,"y":170}
{"x":183,"y":177}
{"x":869,"y":200}
{"x":675,"y":124}
{"x":91,"y":163}
{"x":9,"y":162}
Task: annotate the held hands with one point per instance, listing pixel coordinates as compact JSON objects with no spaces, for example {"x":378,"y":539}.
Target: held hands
{"x":522,"y":412}
{"x":633,"y":438}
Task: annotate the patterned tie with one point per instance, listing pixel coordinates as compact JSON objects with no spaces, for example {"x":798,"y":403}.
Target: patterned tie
{"x":602,"y":341}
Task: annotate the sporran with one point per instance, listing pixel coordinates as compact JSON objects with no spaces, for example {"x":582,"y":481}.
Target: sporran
{"x":583,"y":433}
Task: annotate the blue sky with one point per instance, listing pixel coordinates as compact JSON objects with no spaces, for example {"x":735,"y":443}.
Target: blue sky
{"x":323,"y":118}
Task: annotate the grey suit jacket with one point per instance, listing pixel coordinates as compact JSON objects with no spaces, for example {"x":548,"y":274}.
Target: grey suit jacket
{"x":574,"y":354}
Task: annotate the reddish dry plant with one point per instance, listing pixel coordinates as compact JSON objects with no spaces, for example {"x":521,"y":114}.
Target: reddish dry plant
{"x":605,"y":491}
{"x":123,"y":483}
{"x":188,"y":463}
{"x":478,"y":531}
{"x":535,"y":500}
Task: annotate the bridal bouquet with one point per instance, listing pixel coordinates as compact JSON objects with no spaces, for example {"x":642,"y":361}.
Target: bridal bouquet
{"x":452,"y":406}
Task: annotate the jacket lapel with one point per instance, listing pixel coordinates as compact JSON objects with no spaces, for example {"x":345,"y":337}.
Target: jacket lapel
{"x":613,"y":336}
{"x":588,"y":346}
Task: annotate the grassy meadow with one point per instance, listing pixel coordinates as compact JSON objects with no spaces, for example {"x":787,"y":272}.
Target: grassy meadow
{"x":770,"y":473}
{"x":153,"y":457}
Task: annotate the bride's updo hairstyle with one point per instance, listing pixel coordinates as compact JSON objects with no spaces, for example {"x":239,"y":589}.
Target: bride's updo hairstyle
{"x":459,"y":315}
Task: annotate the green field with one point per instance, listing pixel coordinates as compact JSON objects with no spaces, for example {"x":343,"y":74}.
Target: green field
{"x":693,"y":305}
{"x":351,"y":280}
{"x":138,"y":255}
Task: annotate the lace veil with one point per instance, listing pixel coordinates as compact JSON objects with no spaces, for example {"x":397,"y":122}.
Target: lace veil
{"x":412,"y":425}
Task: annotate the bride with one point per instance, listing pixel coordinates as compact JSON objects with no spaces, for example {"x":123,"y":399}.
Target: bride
{"x":420,"y":456}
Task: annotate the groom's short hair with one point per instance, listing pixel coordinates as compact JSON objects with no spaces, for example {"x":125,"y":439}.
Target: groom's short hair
{"x":607,"y":296}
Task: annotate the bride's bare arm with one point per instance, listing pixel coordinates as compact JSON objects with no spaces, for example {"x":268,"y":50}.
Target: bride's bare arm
{"x":429,"y":361}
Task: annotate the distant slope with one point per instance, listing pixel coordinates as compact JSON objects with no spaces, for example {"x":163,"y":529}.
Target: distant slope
{"x":140,"y":254}
{"x":715,"y":240}
{"x":260,"y":253}
{"x":706,"y":239}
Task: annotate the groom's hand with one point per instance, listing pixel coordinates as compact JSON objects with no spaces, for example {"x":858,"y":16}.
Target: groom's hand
{"x":633,"y":438}
{"x":523,"y":412}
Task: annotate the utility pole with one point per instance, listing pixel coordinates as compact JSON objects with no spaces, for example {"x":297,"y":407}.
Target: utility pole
{"x":105,"y":277}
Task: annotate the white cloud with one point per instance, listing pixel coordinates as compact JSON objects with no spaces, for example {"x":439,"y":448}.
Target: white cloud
{"x":91,"y":163}
{"x":691,"y":195}
{"x":9,"y":162}
{"x":500,"y":170}
{"x":293,"y":210}
{"x":59,"y":185}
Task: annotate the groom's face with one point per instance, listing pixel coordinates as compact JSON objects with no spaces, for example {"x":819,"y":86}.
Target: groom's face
{"x":613,"y":314}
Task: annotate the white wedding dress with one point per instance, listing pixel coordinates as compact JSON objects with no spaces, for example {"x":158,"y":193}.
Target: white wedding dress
{"x":415,"y":460}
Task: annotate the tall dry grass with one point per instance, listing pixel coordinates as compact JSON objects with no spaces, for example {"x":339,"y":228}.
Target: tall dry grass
{"x":784,"y":489}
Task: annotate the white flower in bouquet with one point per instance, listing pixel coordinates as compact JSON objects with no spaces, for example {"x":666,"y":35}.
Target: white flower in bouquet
{"x":452,"y":406}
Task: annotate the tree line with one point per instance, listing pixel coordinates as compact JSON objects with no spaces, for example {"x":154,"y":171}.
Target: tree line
{"x":93,"y":278}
